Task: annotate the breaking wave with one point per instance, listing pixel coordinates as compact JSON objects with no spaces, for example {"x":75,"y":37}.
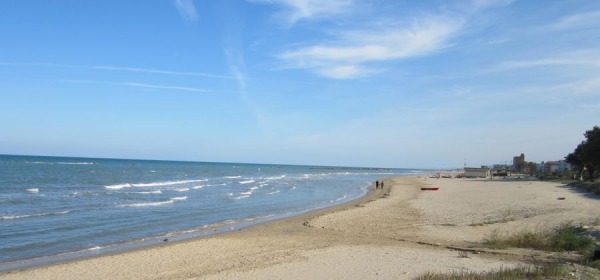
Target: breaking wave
{"x":156,"y":203}
{"x":155,"y":184}
{"x":33,"y":215}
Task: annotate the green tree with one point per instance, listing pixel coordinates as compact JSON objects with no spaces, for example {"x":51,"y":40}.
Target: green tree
{"x":586,"y":156}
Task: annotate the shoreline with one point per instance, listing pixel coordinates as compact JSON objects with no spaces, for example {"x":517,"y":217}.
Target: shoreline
{"x":387,"y":234}
{"x":159,"y":241}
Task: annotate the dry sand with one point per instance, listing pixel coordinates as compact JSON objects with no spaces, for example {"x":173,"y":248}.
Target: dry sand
{"x":396,"y":233}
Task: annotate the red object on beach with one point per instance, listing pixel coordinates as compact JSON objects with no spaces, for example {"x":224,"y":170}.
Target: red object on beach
{"x":430,"y":189}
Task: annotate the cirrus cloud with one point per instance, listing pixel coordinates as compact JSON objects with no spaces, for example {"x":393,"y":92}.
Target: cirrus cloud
{"x":186,"y":9}
{"x":352,"y":52}
{"x":297,"y":10}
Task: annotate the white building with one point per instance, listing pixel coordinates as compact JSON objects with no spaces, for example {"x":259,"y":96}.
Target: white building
{"x":475,"y":172}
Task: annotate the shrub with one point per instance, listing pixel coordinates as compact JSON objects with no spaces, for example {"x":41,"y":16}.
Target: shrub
{"x":496,"y":240}
{"x":565,"y":237}
{"x":529,"y":239}
{"x":568,"y":238}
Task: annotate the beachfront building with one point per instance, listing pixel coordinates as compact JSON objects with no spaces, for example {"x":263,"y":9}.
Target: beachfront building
{"x":556,"y":166}
{"x":475,"y":172}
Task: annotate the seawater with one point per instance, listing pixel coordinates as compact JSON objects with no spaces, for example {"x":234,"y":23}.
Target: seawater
{"x":52,"y":207}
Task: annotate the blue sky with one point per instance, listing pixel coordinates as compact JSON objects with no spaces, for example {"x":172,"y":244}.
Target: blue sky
{"x":415,"y":84}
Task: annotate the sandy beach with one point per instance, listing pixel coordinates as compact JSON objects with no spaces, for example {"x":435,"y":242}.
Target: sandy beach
{"x":399,"y":232}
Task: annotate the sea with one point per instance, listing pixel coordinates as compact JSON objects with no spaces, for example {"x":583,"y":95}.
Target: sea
{"x":55,"y":209}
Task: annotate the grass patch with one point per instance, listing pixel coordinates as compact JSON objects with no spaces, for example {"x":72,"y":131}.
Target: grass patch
{"x":565,"y":237}
{"x":496,"y":240}
{"x":596,"y":222}
{"x":544,"y":271}
{"x":568,"y":238}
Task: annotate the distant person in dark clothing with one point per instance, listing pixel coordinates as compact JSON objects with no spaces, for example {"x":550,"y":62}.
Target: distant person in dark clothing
{"x":381,"y":185}
{"x":377,"y":184}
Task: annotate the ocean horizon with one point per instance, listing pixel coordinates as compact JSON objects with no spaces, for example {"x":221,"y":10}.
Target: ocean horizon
{"x":61,"y":208}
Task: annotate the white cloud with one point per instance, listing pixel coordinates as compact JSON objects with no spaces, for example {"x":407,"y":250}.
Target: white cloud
{"x":236,"y":64}
{"x":186,"y":9}
{"x":343,"y":72}
{"x":120,"y":69}
{"x":159,"y":71}
{"x":587,"y":19}
{"x":140,"y":85}
{"x":581,"y":58}
{"x":376,"y":44}
{"x":569,"y":89}
{"x":497,"y":41}
{"x":133,"y":84}
{"x":509,"y":65}
{"x":310,"y":9}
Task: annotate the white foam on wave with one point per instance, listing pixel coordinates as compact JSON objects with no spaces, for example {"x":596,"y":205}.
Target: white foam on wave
{"x":246,"y":193}
{"x":157,"y":203}
{"x":199,"y":187}
{"x":247,"y":182}
{"x":273,"y":192}
{"x":118,"y":187}
{"x":275,"y":178}
{"x":339,"y":199}
{"x":155,"y":184}
{"x":146,"y":204}
{"x":232,"y":177}
{"x":150,"y":192}
{"x":253,"y":188}
{"x":241,"y":197}
{"x":258,"y":218}
{"x":33,"y":215}
{"x":168,"y":183}
{"x":33,"y":190}
{"x":182,"y":190}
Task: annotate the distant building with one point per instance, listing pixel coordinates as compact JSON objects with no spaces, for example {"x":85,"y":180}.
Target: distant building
{"x":540,"y":167}
{"x":501,"y":167}
{"x":475,"y":172}
{"x":519,"y":164}
{"x":556,"y":166}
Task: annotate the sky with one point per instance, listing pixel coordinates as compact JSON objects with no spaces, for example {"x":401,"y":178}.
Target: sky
{"x":380,"y":83}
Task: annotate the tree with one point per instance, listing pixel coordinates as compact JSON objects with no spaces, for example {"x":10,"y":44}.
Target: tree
{"x":586,"y":156}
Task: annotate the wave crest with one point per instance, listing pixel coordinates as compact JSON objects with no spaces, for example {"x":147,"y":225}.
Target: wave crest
{"x":34,"y":215}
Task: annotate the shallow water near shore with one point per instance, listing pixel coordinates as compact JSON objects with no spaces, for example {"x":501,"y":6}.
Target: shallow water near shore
{"x":57,"y":208}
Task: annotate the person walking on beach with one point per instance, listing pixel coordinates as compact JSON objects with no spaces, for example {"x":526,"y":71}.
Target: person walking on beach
{"x":381,"y":185}
{"x":377,"y":184}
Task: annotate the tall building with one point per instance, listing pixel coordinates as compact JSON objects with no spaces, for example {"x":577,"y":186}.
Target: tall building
{"x":519,"y":163}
